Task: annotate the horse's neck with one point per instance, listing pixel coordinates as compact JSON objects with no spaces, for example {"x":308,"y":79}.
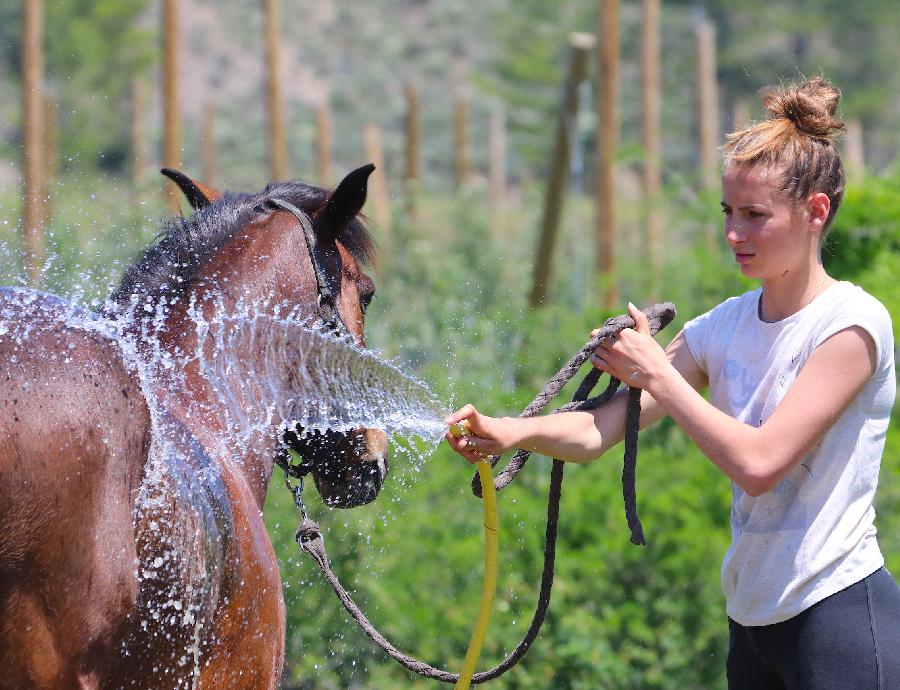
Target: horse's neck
{"x":233,"y":432}
{"x":253,"y":459}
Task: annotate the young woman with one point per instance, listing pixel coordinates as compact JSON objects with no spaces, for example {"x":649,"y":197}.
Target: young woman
{"x":801,"y":379}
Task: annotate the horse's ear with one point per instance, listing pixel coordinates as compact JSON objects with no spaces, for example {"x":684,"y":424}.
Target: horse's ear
{"x":197,"y":193}
{"x":345,"y":201}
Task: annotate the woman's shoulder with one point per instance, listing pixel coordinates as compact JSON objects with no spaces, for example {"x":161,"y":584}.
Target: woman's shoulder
{"x":848,"y":300}
{"x":848,"y":305}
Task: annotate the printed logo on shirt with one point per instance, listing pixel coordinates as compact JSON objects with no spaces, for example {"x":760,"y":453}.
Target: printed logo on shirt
{"x":740,"y":384}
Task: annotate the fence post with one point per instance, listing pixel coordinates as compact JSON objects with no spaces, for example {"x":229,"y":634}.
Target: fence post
{"x":497,"y":164}
{"x":171,"y":96}
{"x":278,"y":153}
{"x":707,"y":104}
{"x":381,"y":203}
{"x":32,"y":135}
{"x":208,"y":134}
{"x":412,"y":146}
{"x":461,"y":143}
{"x":707,"y":116}
{"x":607,"y":146}
{"x":854,"y":152}
{"x":323,"y":142}
{"x":651,"y":109}
{"x":740,"y":114}
{"x":580,"y":45}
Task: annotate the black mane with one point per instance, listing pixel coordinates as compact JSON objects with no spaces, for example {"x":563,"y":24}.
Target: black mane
{"x":169,"y":266}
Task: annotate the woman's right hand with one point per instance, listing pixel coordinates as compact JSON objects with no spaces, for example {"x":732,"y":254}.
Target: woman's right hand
{"x":486,"y":438}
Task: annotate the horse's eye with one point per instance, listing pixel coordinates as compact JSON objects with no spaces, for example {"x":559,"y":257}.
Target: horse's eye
{"x":365,"y":300}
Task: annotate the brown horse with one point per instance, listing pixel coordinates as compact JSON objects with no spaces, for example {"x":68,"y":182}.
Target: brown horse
{"x":133,"y":552}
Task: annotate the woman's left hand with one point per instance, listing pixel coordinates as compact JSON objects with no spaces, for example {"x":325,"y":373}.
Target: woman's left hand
{"x":633,"y":356}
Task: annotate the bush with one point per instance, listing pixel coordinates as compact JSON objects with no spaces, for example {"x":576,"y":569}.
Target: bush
{"x":866,"y":226}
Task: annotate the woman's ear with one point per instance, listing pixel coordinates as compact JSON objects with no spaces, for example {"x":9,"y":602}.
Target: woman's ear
{"x":818,"y":206}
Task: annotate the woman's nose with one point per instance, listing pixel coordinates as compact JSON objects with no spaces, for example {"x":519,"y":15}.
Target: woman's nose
{"x":734,"y":231}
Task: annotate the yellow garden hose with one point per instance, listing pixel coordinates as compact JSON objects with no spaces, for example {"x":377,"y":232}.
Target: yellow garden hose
{"x":491,"y":564}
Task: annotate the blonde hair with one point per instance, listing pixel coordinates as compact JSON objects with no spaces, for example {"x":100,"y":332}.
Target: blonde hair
{"x":797,"y":141}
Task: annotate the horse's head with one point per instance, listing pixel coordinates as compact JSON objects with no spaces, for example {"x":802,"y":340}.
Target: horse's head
{"x":300,"y":250}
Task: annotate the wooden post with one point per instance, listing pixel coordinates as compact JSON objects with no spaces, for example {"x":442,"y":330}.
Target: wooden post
{"x":32,"y":138}
{"x":707,"y":105}
{"x":381,"y":202}
{"x":278,"y":153}
{"x":171,"y":96}
{"x":412,"y":146}
{"x":497,"y":164}
{"x":854,"y":152}
{"x":607,"y":146}
{"x":461,"y":143}
{"x":651,"y":125}
{"x":208,"y":135}
{"x":580,"y":46}
{"x":138,"y":103}
{"x":323,"y":142}
{"x":740,"y":115}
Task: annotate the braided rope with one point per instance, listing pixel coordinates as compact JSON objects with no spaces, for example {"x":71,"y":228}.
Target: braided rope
{"x":309,"y":535}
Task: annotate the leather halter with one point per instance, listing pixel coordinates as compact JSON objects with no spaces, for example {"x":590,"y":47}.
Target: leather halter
{"x":326,"y":308}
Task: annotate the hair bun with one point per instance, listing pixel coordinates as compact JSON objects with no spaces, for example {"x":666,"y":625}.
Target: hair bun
{"x":810,"y":106}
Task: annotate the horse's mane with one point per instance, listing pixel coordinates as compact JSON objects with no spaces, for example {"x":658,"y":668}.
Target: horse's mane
{"x":169,"y":266}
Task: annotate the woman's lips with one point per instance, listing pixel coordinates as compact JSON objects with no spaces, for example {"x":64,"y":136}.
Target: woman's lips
{"x":742,"y":258}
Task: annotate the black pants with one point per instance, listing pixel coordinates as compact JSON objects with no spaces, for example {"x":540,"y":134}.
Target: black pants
{"x":849,"y":641}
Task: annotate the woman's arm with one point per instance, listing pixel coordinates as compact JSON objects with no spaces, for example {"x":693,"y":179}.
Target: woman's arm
{"x":756,"y":458}
{"x":572,"y":436}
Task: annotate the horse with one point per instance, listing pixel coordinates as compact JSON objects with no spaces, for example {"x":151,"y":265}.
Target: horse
{"x":133,"y":553}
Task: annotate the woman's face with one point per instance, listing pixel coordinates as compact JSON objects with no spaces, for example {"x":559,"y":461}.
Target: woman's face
{"x":766,"y":231}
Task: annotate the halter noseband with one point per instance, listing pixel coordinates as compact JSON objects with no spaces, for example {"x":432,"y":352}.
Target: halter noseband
{"x":326,"y":309}
{"x":328,"y":314}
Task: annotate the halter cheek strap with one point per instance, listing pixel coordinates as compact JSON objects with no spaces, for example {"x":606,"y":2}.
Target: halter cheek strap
{"x":327,"y":301}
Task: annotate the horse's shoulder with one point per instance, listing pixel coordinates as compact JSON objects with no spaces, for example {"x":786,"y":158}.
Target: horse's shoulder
{"x":50,"y":334}
{"x":64,"y":372}
{"x":74,"y":429}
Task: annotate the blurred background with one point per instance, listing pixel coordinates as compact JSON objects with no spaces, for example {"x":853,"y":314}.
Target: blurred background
{"x":539,"y":165}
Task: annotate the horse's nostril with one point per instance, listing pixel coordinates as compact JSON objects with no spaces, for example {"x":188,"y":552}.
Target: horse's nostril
{"x":349,"y":468}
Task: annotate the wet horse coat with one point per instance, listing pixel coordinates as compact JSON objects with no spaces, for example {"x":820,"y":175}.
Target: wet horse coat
{"x":133,"y":552}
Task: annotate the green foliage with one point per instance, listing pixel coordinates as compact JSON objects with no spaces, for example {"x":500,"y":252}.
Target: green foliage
{"x":92,"y":51}
{"x":451,"y":307}
{"x":451,"y":304}
{"x":529,"y":66}
{"x":95,"y":225}
{"x":867,"y":225}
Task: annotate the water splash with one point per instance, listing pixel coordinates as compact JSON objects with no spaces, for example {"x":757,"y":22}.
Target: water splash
{"x":301,"y":377}
{"x":268,"y":372}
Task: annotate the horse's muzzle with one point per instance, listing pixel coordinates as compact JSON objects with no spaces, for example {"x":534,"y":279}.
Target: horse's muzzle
{"x":349,"y":468}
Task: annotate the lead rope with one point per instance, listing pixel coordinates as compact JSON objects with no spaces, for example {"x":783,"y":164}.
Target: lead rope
{"x":309,"y":535}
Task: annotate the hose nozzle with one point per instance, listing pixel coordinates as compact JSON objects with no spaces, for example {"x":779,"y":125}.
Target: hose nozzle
{"x":461,"y":429}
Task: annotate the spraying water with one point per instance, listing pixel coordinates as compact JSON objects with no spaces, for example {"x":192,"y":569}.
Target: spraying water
{"x":301,"y":377}
{"x":294,"y":377}
{"x":209,"y":390}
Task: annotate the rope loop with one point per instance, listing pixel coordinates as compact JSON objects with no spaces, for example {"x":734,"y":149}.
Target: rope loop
{"x":309,"y":536}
